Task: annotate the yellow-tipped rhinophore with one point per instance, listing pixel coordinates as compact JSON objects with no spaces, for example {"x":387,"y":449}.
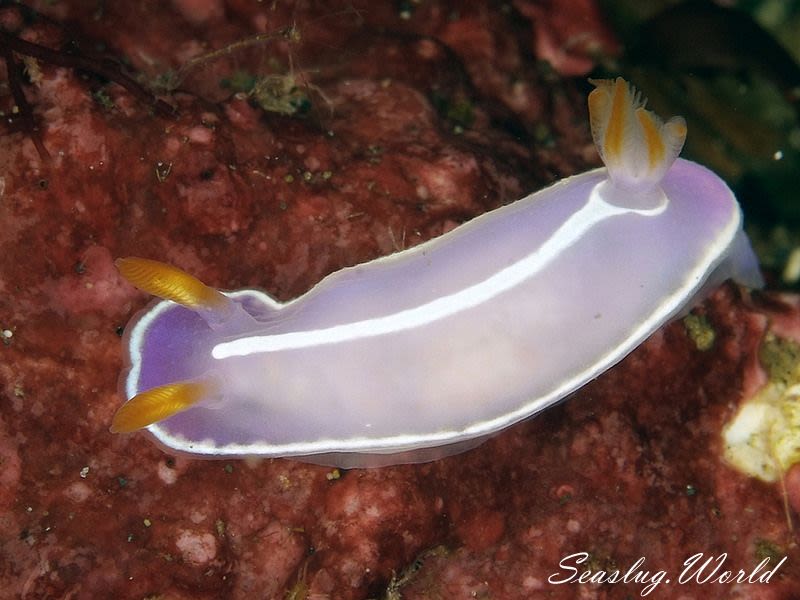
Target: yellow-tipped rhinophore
{"x":169,"y":283}
{"x":634,"y":143}
{"x":157,"y":404}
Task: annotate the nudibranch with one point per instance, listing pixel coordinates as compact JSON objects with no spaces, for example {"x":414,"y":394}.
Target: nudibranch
{"x":429,"y":351}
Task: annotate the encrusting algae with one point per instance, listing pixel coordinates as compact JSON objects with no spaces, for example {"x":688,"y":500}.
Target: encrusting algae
{"x":763,"y":439}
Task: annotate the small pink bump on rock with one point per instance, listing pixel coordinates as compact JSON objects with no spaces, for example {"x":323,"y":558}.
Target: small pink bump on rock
{"x":172,"y":145}
{"x":201,"y":135}
{"x":428,"y":50}
{"x":482,"y":530}
{"x":166,"y":474}
{"x":197,"y":517}
{"x":78,"y":492}
{"x":563,"y":493}
{"x":209,"y":118}
{"x":532,"y":583}
{"x":196,"y":548}
{"x":446,"y":178}
{"x":240,"y":113}
{"x":573,"y":526}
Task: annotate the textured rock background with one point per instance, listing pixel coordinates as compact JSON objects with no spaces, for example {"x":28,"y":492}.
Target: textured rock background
{"x":419,"y":116}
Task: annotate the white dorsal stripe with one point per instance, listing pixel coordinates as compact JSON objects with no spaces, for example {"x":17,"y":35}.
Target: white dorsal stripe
{"x":593,"y":212}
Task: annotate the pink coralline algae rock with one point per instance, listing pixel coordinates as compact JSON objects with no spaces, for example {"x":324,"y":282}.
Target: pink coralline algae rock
{"x":568,"y":34}
{"x":413,"y":125}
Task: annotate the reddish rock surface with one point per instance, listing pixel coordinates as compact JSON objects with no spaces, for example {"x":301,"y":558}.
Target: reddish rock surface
{"x":421,"y":116}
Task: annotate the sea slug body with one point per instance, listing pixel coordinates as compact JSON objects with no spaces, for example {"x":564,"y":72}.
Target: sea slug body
{"x":429,"y":351}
